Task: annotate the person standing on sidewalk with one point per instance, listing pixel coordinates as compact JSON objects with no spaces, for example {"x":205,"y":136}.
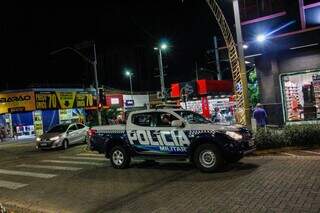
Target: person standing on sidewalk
{"x":260,"y":115}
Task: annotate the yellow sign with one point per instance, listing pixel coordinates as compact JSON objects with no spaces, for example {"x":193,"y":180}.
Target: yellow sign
{"x":66,"y":99}
{"x":14,"y":102}
{"x":63,"y":100}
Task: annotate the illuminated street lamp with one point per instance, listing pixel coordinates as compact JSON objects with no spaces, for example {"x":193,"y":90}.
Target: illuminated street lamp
{"x":129,"y":74}
{"x":162,"y":46}
{"x":261,"y":38}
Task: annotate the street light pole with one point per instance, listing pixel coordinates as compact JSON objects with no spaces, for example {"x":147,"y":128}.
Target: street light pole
{"x":129,"y":74}
{"x":243,"y":72}
{"x":94,"y":63}
{"x":161,"y":72}
{"x":96,"y":82}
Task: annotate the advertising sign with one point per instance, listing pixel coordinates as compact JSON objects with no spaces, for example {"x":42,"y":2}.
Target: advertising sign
{"x":63,"y":100}
{"x":16,"y":102}
{"x":37,"y":122}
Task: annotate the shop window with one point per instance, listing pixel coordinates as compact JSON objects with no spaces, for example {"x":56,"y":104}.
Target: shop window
{"x":301,"y":96}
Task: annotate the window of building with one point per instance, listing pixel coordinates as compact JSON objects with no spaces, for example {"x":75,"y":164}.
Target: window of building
{"x":301,"y":96}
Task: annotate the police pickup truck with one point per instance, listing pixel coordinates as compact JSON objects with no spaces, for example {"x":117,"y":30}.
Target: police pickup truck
{"x":171,"y":133}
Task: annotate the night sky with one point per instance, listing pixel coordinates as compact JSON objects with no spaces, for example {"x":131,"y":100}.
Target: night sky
{"x":125,"y":33}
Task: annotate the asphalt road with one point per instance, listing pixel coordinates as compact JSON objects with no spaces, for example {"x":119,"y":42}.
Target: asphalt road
{"x":76,"y":180}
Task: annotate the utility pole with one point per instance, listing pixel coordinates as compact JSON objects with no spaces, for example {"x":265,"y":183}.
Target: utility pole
{"x":243,"y":72}
{"x":96,"y":82}
{"x":94,"y":63}
{"x":197,"y":77}
{"x":161,"y":73}
{"x":216,"y":51}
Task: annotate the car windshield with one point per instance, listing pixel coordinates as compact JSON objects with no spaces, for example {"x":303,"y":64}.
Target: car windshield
{"x":192,"y":117}
{"x":59,"y":128}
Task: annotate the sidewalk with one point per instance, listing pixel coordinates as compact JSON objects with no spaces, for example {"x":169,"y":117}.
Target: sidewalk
{"x":19,"y":141}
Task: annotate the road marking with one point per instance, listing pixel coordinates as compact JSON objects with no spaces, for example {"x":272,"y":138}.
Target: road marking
{"x":64,"y":168}
{"x":11,"y":185}
{"x":83,"y":158}
{"x":29,"y":174}
{"x":310,"y":152}
{"x":91,"y":155}
{"x":74,"y":162}
{"x":289,"y":154}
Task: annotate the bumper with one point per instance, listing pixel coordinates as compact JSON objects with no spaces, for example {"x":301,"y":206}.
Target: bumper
{"x":49,"y":144}
{"x":247,"y":152}
{"x":239,"y":148}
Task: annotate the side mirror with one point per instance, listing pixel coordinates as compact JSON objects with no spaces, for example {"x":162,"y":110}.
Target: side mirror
{"x":177,"y":123}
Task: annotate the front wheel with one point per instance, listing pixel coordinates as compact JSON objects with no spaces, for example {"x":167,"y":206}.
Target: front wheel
{"x":119,"y":157}
{"x":65,"y":144}
{"x":208,"y":158}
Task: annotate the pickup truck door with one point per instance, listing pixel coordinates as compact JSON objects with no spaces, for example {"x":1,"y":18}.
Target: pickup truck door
{"x":149,"y":133}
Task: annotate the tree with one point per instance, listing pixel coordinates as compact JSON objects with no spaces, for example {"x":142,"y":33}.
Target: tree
{"x":253,"y":88}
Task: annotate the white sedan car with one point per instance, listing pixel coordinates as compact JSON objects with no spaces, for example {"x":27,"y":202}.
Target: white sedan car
{"x":63,"y":135}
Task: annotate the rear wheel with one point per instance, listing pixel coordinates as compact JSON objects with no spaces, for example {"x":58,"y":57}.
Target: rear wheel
{"x":208,"y":158}
{"x":119,"y":157}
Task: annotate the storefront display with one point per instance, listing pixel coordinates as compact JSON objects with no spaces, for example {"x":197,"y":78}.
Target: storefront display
{"x":71,"y":115}
{"x":301,"y":96}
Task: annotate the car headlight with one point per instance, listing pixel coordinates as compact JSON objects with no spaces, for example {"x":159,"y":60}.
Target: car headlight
{"x":55,"y":138}
{"x":234,"y":135}
{"x":38,"y":139}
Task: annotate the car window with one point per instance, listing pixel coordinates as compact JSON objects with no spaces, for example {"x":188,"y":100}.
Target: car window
{"x":80,"y":126}
{"x":59,"y":128}
{"x":164,"y":119}
{"x":72,"y":128}
{"x":143,"y":119}
{"x":192,"y":117}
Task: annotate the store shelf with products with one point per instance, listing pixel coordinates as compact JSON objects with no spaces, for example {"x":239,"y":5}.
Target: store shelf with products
{"x":316,"y":89}
{"x":293,"y":100}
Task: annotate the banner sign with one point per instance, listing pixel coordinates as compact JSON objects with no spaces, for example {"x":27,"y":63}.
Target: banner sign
{"x":63,"y":100}
{"x":37,"y":122}
{"x":16,"y":102}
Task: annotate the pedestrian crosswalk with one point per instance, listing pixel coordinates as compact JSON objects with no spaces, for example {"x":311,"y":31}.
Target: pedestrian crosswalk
{"x":48,"y":169}
{"x":63,"y":168}
{"x":74,"y":162}
{"x":11,"y":185}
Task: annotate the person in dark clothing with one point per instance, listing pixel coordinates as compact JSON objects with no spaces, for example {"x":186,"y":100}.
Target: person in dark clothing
{"x":260,"y":115}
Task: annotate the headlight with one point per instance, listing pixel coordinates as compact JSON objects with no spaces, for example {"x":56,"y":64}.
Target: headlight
{"x":234,"y":135}
{"x":54,"y":138}
{"x":38,"y":139}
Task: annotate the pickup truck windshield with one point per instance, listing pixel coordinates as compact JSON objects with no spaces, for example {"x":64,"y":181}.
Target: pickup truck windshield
{"x":192,"y":117}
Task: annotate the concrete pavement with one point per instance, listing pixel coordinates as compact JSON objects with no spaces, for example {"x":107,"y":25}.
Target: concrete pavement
{"x":77,"y":181}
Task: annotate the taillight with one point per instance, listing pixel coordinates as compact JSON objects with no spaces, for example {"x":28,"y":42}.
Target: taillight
{"x":92,"y":132}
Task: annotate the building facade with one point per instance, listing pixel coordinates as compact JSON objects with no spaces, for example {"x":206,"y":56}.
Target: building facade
{"x":284,"y":46}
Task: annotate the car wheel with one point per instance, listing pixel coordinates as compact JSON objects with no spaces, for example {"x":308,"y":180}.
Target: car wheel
{"x":119,"y":157}
{"x":65,"y":144}
{"x":208,"y":158}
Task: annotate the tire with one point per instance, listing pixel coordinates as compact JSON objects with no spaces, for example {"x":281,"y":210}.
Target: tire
{"x":119,"y":157}
{"x":65,"y":144}
{"x":207,"y":157}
